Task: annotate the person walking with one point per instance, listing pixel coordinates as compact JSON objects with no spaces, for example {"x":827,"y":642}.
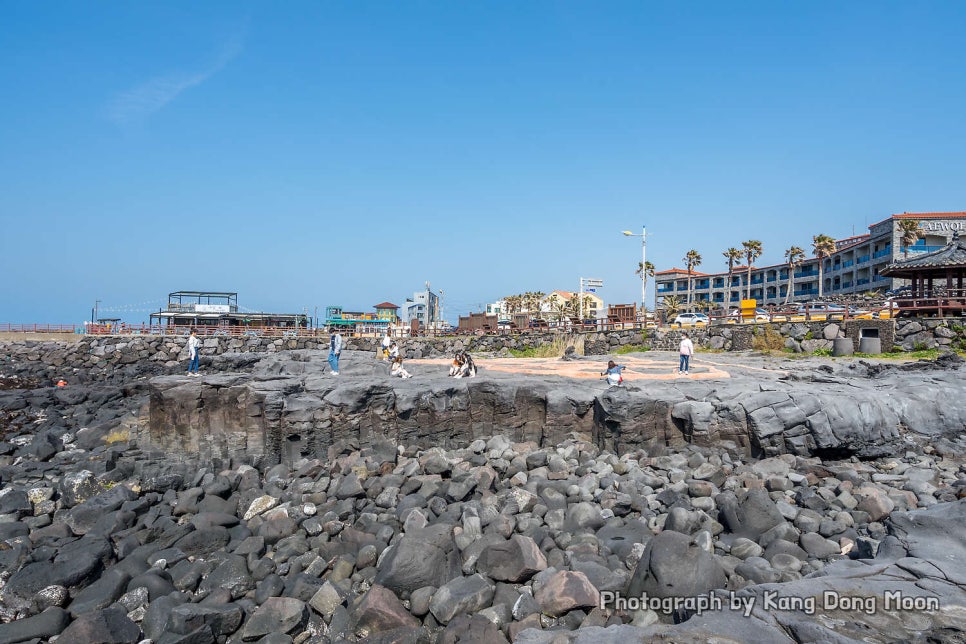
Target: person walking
{"x":335,"y":350}
{"x":386,"y":343}
{"x":686,"y":351}
{"x":193,"y":344}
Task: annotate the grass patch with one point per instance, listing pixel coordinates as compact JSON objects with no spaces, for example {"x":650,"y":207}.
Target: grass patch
{"x":631,"y":348}
{"x":822,"y":351}
{"x":922,"y":354}
{"x":553,"y":350}
{"x":118,"y":436}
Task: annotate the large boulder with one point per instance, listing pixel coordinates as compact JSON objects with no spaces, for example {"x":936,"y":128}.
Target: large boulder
{"x":464,"y":595}
{"x":750,"y":517}
{"x":515,"y":560}
{"x":380,"y":610}
{"x":566,"y":591}
{"x":424,"y":557}
{"x":672,"y":566}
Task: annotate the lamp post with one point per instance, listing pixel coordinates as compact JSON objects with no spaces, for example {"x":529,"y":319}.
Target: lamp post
{"x":643,"y":237}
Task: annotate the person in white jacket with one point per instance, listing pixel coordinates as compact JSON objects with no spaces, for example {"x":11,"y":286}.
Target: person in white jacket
{"x":335,"y":350}
{"x":193,"y":344}
{"x":686,"y":351}
{"x":397,"y":369}
{"x":386,"y":343}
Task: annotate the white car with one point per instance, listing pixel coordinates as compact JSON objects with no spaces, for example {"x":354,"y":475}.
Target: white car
{"x":691,"y":319}
{"x":761,"y":315}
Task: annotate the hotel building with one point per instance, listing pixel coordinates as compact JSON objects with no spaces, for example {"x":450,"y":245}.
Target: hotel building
{"x":852,"y":269}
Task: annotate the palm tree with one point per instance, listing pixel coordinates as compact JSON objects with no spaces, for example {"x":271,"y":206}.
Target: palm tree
{"x":672,"y":304}
{"x":752,"y":251}
{"x":823,"y":246}
{"x":514,"y":304}
{"x":794,"y":257}
{"x":909,"y":234}
{"x":692,"y":259}
{"x":732,"y":255}
{"x":574,"y":308}
{"x":531,"y":300}
{"x":644,"y":270}
{"x":557,"y":306}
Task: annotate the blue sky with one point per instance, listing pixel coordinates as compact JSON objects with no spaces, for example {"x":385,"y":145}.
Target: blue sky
{"x":308,"y":154}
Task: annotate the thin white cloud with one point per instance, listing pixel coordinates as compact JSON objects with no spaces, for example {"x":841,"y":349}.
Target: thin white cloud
{"x":138,"y":103}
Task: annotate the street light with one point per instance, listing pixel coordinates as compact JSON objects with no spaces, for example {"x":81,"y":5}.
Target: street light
{"x":643,"y":237}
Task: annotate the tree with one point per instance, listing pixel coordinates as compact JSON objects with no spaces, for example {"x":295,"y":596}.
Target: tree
{"x":908,"y":234}
{"x":557,"y":306}
{"x":574,"y":308}
{"x":531,"y":300}
{"x":672,"y":304}
{"x":823,"y":246}
{"x":647,"y":268}
{"x":793,"y":257}
{"x":732,"y":255}
{"x":692,"y":259}
{"x":752,"y":251}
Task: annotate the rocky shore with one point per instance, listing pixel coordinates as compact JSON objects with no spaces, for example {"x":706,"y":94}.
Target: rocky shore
{"x":106,"y":538}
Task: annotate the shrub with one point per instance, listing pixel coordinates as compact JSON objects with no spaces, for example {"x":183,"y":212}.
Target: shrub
{"x":554,"y":349}
{"x":767,"y":339}
{"x":822,"y":351}
{"x":118,"y":436}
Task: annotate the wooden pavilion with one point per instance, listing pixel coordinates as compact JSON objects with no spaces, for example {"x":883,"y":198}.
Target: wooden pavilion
{"x":936,"y":280}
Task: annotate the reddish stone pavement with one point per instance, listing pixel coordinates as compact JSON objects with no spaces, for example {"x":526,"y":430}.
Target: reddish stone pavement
{"x":643,"y":366}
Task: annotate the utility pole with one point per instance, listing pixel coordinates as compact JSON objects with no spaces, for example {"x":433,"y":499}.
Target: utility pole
{"x":94,"y":316}
{"x":643,"y":237}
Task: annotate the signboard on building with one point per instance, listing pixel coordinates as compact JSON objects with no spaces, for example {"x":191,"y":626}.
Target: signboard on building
{"x":942,"y":226}
{"x":212,"y":308}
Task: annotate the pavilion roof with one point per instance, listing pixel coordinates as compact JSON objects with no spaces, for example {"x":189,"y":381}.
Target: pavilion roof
{"x":952,"y":255}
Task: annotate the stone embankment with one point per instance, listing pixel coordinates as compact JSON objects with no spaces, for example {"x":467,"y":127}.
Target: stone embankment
{"x":291,"y":407}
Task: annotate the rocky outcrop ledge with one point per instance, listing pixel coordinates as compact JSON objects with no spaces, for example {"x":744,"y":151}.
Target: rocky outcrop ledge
{"x":290,"y":407}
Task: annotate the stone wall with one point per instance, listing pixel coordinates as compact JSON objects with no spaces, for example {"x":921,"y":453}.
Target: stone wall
{"x":102,"y":354}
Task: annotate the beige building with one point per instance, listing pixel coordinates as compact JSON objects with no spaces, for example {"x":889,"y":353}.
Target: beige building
{"x":549,"y":305}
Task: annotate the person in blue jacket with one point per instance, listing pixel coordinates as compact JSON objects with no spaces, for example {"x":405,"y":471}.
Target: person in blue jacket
{"x":613,"y":373}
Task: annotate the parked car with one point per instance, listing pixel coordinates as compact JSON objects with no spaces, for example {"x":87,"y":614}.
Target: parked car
{"x":761,"y":315}
{"x":691,"y":319}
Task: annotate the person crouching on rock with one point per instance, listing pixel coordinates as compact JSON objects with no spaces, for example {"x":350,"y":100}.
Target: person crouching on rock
{"x":397,"y":369}
{"x":463,"y":365}
{"x":613,"y":373}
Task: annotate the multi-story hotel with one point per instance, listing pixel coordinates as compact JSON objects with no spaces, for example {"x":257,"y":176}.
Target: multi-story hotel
{"x":851,"y":270}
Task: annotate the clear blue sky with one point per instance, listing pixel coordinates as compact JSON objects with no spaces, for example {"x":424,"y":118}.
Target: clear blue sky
{"x":314,"y":153}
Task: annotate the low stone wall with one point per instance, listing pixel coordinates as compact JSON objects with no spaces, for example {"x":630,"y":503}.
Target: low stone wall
{"x":100,"y":354}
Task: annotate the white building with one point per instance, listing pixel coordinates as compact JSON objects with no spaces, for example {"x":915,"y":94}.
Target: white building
{"x":423,"y":306}
{"x":851,"y":270}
